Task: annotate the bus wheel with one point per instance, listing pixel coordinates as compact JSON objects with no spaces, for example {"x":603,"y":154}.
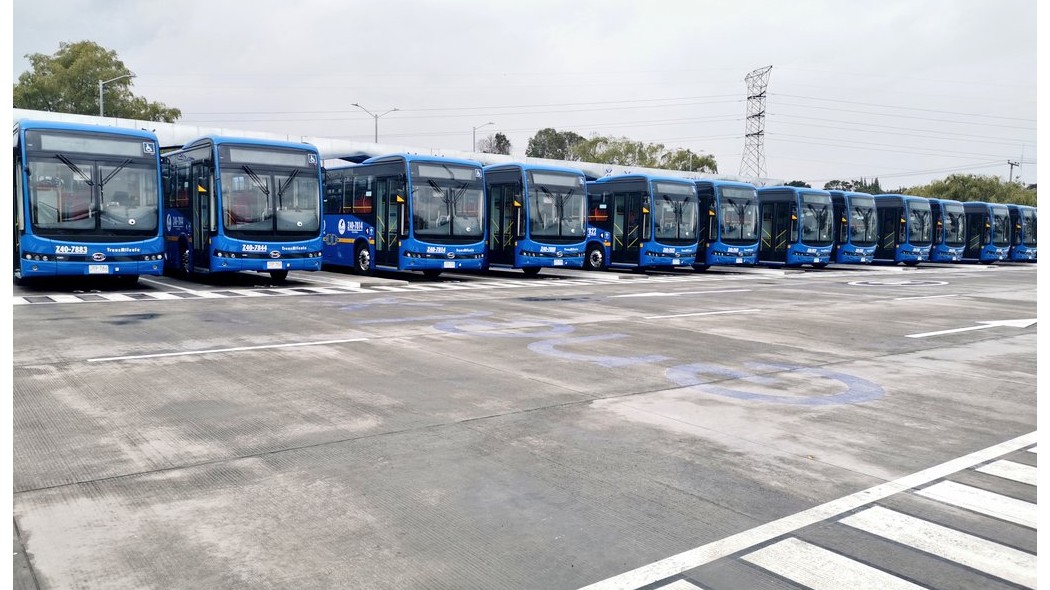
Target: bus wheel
{"x":595,"y":259}
{"x":911,"y":263}
{"x":701,"y":267}
{"x":362,"y":260}
{"x":820,"y":264}
{"x":127,"y":280}
{"x":531,"y":270}
{"x":432,"y":273}
{"x":278,"y":276}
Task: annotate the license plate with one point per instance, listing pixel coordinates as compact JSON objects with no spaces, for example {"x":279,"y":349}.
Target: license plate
{"x":816,"y":259}
{"x":274,"y":265}
{"x":559,"y":263}
{"x":676,"y":261}
{"x":98,"y":269}
{"x":739,"y":260}
{"x":449,"y":264}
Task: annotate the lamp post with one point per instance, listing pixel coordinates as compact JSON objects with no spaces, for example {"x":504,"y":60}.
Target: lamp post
{"x":101,"y":99}
{"x":474,"y":135}
{"x":374,"y":116}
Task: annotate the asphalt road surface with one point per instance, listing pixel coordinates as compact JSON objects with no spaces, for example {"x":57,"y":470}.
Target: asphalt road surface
{"x":862,"y":428}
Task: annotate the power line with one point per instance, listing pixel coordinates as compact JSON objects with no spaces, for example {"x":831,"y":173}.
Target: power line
{"x":903,"y":116}
{"x":943,"y":112}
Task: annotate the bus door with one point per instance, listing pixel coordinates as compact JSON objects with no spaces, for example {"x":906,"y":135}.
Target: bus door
{"x":202,"y":216}
{"x":776,"y":226}
{"x":390,"y":199}
{"x":505,"y":204}
{"x":891,"y":232}
{"x":627,"y":227}
{"x":976,"y":234}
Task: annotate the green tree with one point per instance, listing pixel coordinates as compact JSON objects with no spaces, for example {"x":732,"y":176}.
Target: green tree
{"x":686,"y":160}
{"x":838,"y":185}
{"x":553,"y":144}
{"x":495,"y":144}
{"x":797,"y":183}
{"x":618,"y":150}
{"x":67,"y":82}
{"x":976,"y":187}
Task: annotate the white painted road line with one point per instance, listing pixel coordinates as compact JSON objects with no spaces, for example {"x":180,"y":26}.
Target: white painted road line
{"x":820,"y":569}
{"x":991,"y":558}
{"x":982,"y":326}
{"x":221,"y":350}
{"x":982,"y":501}
{"x":1034,"y":450}
{"x":704,"y":554}
{"x":1011,"y":470}
{"x":678,"y":293}
{"x":925,"y":297}
{"x":686,"y":315}
{"x":680,"y":585}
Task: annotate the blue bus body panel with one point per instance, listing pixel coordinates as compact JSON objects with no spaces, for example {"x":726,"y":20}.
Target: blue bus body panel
{"x":1021,"y":252}
{"x":907,"y":252}
{"x":718,"y":252}
{"x":941,"y":251}
{"x":847,"y":252}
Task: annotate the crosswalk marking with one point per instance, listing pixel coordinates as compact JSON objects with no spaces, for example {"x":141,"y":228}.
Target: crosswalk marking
{"x":982,"y":501}
{"x":1011,"y":470}
{"x":820,"y":569}
{"x":980,"y":554}
{"x":680,"y":585}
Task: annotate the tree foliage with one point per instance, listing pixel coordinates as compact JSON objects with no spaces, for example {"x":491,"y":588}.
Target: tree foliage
{"x":797,"y":183}
{"x":566,"y":145}
{"x":495,"y":144}
{"x":976,"y":187}
{"x":859,"y":185}
{"x":67,"y":82}
{"x":556,"y":145}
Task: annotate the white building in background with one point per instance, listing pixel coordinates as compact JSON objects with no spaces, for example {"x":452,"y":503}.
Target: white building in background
{"x":338,"y":151}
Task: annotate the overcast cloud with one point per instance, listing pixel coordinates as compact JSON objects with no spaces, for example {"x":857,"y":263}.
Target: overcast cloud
{"x":907,"y":91}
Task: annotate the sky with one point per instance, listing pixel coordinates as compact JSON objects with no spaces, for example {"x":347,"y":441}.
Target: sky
{"x":904,"y":91}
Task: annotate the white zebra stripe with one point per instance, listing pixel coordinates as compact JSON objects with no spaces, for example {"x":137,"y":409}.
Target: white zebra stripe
{"x":982,"y":501}
{"x":820,"y":569}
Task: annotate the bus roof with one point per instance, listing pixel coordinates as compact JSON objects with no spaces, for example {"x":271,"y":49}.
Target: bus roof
{"x":718,"y":182}
{"x":527,"y":167}
{"x":224,"y":139}
{"x":794,"y":189}
{"x":645,"y":177}
{"x":409,"y":158}
{"x":27,"y":124}
{"x":901,"y":197}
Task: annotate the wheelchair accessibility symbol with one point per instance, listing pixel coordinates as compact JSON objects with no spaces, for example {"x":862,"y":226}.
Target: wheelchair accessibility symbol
{"x":777,"y":383}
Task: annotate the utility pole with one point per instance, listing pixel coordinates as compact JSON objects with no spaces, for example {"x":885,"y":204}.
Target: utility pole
{"x":374,"y":116}
{"x":101,"y":97}
{"x":753,"y":162}
{"x":1012,"y":164}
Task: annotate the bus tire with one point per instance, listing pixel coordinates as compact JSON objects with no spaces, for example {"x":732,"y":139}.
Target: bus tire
{"x":432,"y":273}
{"x":531,"y":271}
{"x":701,"y":267}
{"x":595,"y":259}
{"x":362,"y":260}
{"x":127,"y":281}
{"x":279,"y":276}
{"x":911,"y":263}
{"x":820,"y":265}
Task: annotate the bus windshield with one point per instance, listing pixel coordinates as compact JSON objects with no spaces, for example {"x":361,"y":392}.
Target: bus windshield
{"x":738,"y":209}
{"x":816,"y":220}
{"x":675,"y":211}
{"x":863,"y":227}
{"x":954,"y":220}
{"x":920,"y":224}
{"x":557,"y":205}
{"x":260,"y":199}
{"x":1028,"y":229}
{"x":447,"y":200}
{"x":84,"y":195}
{"x":1001,"y":226}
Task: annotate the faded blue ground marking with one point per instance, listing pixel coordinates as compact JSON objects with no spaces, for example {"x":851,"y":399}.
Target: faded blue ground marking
{"x":858,"y":390}
{"x":550,"y":348}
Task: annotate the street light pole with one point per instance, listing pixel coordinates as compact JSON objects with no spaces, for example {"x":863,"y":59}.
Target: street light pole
{"x":374,"y":116}
{"x":474,"y":135}
{"x":101,"y":99}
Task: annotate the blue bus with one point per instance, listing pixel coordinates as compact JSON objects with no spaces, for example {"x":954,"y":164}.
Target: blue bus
{"x":730,"y":236}
{"x":406,"y":212}
{"x":87,"y":201}
{"x":234,"y":204}
{"x":641,"y":221}
{"x":905,"y":229}
{"x":1022,"y":243}
{"x":949,"y":230}
{"x":856,"y":227}
{"x":987,"y":232}
{"x":797,"y":226}
{"x":537,"y":216}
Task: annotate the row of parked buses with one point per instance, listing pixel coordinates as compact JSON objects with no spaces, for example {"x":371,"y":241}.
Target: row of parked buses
{"x":105,"y":201}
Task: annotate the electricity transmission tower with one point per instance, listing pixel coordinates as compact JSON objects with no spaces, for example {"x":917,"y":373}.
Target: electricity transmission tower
{"x":753,"y":163}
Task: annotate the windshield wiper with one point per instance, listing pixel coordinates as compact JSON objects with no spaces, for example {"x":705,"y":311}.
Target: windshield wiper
{"x":115,"y":170}
{"x":72,"y":166}
{"x":258,"y":181}
{"x":287,"y":183}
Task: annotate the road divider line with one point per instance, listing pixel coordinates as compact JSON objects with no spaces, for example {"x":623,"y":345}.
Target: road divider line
{"x":685,"y":315}
{"x":222,"y":350}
